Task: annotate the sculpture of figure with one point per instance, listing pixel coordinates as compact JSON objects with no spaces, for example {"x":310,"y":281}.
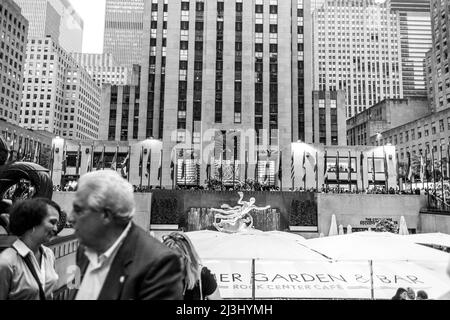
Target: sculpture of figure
{"x":236,"y":219}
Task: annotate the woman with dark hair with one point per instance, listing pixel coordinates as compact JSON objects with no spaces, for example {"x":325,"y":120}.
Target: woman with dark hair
{"x":402,"y":294}
{"x":199,"y":283}
{"x":27,"y":269}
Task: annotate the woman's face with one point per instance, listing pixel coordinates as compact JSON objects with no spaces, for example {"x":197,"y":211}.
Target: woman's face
{"x":404,"y":295}
{"x":48,"y":227}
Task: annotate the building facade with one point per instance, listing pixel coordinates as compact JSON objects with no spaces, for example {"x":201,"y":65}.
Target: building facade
{"x":329,"y":121}
{"x":439,"y":70}
{"x":27,"y":144}
{"x":13,"y":41}
{"x":55,"y":18}
{"x":124,"y":30}
{"x":103,"y":69}
{"x":223,"y":75}
{"x":383,"y":116}
{"x":59,"y":96}
{"x":421,"y":137}
{"x":416,"y":40}
{"x":357,"y":49}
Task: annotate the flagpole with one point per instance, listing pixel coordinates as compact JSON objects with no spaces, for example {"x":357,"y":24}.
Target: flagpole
{"x":325,"y":170}
{"x":349,"y":171}
{"x":161,"y":172}
{"x":317,"y":171}
{"x":304,"y":170}
{"x":434,"y":170}
{"x":52,"y":160}
{"x":361,"y":168}
{"x":374,"y":177}
{"x":280,"y":172}
{"x":338,"y":172}
{"x":246,"y":166}
{"x":426,"y":169}
{"x":141,"y":164}
{"x":234,"y":162}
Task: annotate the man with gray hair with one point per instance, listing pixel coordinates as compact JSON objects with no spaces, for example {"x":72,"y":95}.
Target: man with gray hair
{"x":117,"y":259}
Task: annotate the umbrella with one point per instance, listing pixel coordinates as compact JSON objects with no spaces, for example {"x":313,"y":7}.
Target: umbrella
{"x":341,"y":230}
{"x":437,"y":239}
{"x":333,"y":227}
{"x":349,"y":229}
{"x":213,"y":245}
{"x":403,"y":230}
{"x":374,"y":246}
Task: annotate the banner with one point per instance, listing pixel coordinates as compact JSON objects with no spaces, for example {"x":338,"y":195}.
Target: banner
{"x":327,"y":280}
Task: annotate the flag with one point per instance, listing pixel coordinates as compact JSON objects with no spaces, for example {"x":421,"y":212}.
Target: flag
{"x":64,"y":160}
{"x":410,"y":172}
{"x":292,"y":168}
{"x":422,"y":169}
{"x":280,"y":167}
{"x":304,"y":167}
{"x":221,"y":167}
{"x":183,"y":167}
{"x":349,"y":168}
{"x":89,"y":160}
{"x":114,"y":160}
{"x":337,"y":168}
{"x":325,"y":167}
{"x":125,"y":165}
{"x":208,"y":168}
{"x":78,"y":159}
{"x":149,"y":164}
{"x":172,"y":167}
{"x":267,"y":171}
{"x":141,"y":159}
{"x":160,"y":166}
{"x":100,"y":163}
{"x":386,"y":172}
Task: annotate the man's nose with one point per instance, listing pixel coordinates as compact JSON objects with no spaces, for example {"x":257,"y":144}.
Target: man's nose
{"x":71,"y":218}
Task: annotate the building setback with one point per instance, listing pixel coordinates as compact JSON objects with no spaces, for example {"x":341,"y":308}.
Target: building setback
{"x":13,"y":40}
{"x":59,"y":95}
{"x":103,"y":69}
{"x":124,"y":30}
{"x":357,"y":49}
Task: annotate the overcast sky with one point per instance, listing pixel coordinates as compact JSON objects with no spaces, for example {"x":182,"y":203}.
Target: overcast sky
{"x":93,"y":14}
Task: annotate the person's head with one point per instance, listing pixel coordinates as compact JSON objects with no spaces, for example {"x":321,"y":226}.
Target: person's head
{"x":104,"y":202}
{"x":422,"y":295}
{"x":189,"y":257}
{"x":36,"y":219}
{"x":411,"y":293}
{"x":401,"y":294}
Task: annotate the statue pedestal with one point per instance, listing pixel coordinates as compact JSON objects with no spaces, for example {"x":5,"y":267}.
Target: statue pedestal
{"x":203,"y":219}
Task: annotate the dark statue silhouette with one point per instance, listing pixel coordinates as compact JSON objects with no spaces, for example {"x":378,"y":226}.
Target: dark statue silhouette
{"x":19,"y":181}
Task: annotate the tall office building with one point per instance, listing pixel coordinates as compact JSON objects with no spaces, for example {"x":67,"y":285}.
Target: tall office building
{"x":55,"y":18}
{"x":439,"y":60}
{"x":59,"y":95}
{"x":43,"y":18}
{"x":217,"y":75}
{"x":124,"y":30}
{"x":13,"y":41}
{"x":416,"y":40}
{"x":103,"y":69}
{"x":357,"y":49}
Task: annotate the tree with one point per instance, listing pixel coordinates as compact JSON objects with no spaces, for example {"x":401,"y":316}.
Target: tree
{"x":386,"y":225}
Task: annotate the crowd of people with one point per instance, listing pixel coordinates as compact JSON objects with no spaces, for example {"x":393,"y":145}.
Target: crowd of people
{"x":118,"y":260}
{"x":409,"y":294}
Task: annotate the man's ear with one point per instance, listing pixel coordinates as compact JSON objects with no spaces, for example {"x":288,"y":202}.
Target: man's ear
{"x":107,"y":216}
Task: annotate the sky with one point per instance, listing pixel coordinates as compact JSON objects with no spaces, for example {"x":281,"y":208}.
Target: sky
{"x":93,"y":14}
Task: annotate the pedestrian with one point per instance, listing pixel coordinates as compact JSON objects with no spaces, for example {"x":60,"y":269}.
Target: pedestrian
{"x":422,"y":295}
{"x":411,"y":293}
{"x":199,"y":283}
{"x":401,"y":294}
{"x":117,"y":259}
{"x":27,"y":268}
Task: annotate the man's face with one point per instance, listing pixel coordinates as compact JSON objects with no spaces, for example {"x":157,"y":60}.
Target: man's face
{"x":88,"y":223}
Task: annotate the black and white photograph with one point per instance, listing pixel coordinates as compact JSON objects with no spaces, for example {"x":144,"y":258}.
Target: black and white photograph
{"x":247,"y":151}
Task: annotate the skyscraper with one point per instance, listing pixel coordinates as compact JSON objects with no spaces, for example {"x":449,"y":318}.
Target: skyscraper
{"x":236,"y":71}
{"x":416,"y":40}
{"x":357,"y":49}
{"x":438,"y":57}
{"x":55,"y":18}
{"x":13,"y":41}
{"x":124,"y":30}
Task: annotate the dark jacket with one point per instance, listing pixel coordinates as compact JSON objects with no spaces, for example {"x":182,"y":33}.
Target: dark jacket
{"x":143,"y":269}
